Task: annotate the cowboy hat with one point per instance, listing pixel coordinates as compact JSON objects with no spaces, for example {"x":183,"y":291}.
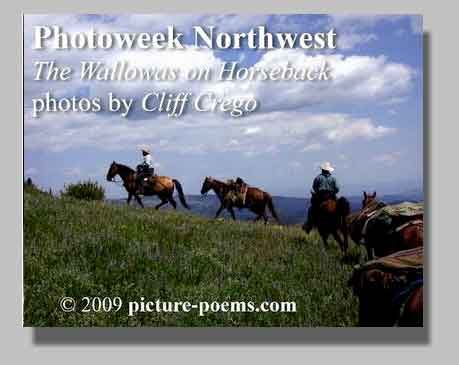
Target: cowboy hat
{"x":146,"y":150}
{"x":327,"y":167}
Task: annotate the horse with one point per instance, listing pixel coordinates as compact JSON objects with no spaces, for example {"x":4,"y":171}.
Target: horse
{"x":388,"y":299}
{"x":405,"y":237}
{"x":162,"y":186}
{"x":256,"y":200}
{"x":330,"y":219}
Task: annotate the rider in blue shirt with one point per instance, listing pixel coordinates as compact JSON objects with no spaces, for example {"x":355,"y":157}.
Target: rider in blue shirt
{"x":324,"y":187}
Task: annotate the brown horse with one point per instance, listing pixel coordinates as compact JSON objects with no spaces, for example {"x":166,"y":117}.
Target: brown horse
{"x":387,"y":299}
{"x":162,"y":186}
{"x":256,"y":199}
{"x":406,"y":237}
{"x":331,"y":218}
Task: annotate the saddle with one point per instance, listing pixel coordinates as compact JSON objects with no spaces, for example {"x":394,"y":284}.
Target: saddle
{"x":144,"y":174}
{"x":393,"y":218}
{"x":238,"y":191}
{"x":145,"y":170}
{"x":321,"y":196}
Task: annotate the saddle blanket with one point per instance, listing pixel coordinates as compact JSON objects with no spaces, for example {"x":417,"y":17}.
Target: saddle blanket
{"x":393,"y":274}
{"x":403,"y":260}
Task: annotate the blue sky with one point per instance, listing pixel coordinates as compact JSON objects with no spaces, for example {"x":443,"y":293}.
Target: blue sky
{"x":367,"y":122}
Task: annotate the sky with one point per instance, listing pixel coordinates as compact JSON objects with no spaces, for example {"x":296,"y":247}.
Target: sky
{"x":367,"y":120}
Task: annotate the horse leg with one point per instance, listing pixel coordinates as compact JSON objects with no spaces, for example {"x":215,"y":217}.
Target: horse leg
{"x":324,"y":236}
{"x":129,"y":198}
{"x":163,"y":201}
{"x":219,"y":211}
{"x":231,"y":210}
{"x":265,"y":217}
{"x":139,"y":200}
{"x":345,"y":232}
{"x":172,"y":201}
{"x":338,"y":239}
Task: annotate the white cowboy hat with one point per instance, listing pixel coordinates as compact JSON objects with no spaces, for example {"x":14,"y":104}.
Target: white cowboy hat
{"x":145,"y":149}
{"x":327,"y":167}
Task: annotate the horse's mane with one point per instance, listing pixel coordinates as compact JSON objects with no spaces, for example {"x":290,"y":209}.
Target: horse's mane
{"x":124,"y":167}
{"x":372,"y":206}
{"x":218,"y":181}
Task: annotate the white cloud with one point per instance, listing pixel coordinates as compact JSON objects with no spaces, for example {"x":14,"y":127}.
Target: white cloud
{"x":355,"y":30}
{"x":252,"y":130}
{"x":312,"y":147}
{"x":363,"y":128}
{"x":389,"y":158}
{"x":294,"y":166}
{"x":31,"y":171}
{"x":350,"y":40}
{"x":72,"y":172}
{"x":281,"y":120}
{"x":200,"y":133}
{"x":355,"y":79}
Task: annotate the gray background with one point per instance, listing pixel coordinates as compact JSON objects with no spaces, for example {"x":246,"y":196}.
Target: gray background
{"x":71,"y":346}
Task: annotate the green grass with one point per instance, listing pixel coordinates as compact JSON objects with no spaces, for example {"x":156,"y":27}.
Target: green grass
{"x":77,"y":248}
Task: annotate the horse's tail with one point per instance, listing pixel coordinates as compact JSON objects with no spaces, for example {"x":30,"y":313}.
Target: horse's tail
{"x":269,"y":201}
{"x":180,"y":193}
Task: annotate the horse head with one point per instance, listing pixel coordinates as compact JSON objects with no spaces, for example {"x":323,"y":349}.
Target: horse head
{"x":206,"y":185}
{"x":112,"y":171}
{"x":368,"y":198}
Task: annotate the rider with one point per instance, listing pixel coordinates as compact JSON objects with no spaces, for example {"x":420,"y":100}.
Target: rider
{"x":324,"y":187}
{"x":145,"y":169}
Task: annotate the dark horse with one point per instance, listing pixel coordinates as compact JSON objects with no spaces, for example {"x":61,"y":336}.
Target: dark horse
{"x":381,"y":305}
{"x":162,"y":186}
{"x":389,"y":297}
{"x":405,"y":237}
{"x":331,"y":217}
{"x":256,"y":199}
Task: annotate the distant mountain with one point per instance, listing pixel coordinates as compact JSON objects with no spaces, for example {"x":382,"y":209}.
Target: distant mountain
{"x":290,"y":210}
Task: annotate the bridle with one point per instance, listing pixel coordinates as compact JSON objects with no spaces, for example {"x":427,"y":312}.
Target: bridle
{"x":118,"y":182}
{"x":113,"y":180}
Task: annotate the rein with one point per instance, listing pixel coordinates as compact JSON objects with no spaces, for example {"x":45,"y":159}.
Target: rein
{"x":118,"y":182}
{"x":122,"y":169}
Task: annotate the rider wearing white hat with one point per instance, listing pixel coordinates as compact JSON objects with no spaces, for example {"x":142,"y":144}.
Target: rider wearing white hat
{"x":326,"y":166}
{"x":325,"y":182}
{"x":145,"y":169}
{"x":324,"y":187}
{"x":147,"y":161}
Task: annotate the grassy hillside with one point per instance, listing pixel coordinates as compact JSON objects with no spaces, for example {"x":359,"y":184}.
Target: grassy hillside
{"x":74,"y":248}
